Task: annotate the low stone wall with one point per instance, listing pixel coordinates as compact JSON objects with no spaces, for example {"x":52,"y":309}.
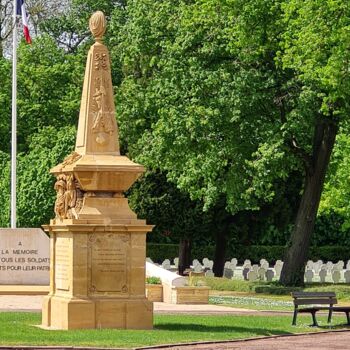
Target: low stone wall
{"x":154,"y":292}
{"x":190,"y":295}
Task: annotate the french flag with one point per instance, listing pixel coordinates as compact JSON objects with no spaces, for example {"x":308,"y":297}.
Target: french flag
{"x":21,"y":11}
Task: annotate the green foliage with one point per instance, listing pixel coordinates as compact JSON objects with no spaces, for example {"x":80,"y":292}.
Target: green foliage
{"x":5,"y":103}
{"x":49,"y":88}
{"x":335,"y":198}
{"x":5,"y":174}
{"x":316,"y":44}
{"x":172,"y":212}
{"x":35,"y":193}
{"x":159,"y":252}
{"x":153,"y":280}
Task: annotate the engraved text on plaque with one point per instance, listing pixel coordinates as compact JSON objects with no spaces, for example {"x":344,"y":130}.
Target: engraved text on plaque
{"x":109,"y":263}
{"x":62,"y":263}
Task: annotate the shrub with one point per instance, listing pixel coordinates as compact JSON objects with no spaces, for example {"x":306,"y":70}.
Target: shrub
{"x":153,"y":280}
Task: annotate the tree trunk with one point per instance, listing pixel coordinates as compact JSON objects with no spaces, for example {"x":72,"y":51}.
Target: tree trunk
{"x":292,"y":273}
{"x":184,"y":255}
{"x":220,"y":253}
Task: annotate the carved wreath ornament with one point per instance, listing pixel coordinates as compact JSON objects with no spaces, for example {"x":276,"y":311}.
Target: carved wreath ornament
{"x":69,"y":197}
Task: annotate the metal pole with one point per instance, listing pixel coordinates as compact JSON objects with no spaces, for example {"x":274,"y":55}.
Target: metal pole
{"x":14,"y":118}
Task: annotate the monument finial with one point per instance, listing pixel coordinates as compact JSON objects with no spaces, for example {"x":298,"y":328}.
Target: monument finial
{"x":97,"y":25}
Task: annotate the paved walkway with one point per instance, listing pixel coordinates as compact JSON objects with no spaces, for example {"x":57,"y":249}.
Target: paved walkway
{"x":321,"y":341}
{"x":34,"y":302}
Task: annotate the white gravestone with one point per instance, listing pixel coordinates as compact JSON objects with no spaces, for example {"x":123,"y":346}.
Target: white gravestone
{"x":176,"y":262}
{"x":261,"y":273}
{"x":269,"y":275}
{"x":309,"y":264}
{"x":24,"y":257}
{"x":205,"y":262}
{"x":209,"y":273}
{"x":232,"y":266}
{"x":278,"y":267}
{"x":234,"y":261}
{"x":166,"y":264}
{"x":323,"y":275}
{"x":347,"y":276}
{"x":210,"y":264}
{"x":198,"y":268}
{"x":340,"y":265}
{"x":264,"y":263}
{"x":329,"y":266}
{"x":195,"y":262}
{"x":309,"y":274}
{"x":336,"y":276}
{"x":245,"y":273}
{"x":252,"y":276}
{"x":317,"y":267}
{"x":255,"y":268}
{"x":228,"y":273}
{"x":247,"y":263}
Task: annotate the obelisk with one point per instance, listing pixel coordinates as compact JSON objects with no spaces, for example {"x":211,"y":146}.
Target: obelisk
{"x":97,"y":244}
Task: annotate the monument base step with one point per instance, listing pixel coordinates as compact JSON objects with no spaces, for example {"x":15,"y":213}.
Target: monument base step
{"x":7,"y":289}
{"x":95,"y":313}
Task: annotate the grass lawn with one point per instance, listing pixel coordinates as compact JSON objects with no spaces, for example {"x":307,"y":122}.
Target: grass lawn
{"x":19,"y":328}
{"x":252,"y":301}
{"x":263,"y":295}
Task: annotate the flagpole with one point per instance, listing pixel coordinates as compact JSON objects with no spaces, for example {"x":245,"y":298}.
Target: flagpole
{"x":14,"y":118}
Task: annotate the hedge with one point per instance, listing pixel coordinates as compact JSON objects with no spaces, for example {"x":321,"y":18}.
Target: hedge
{"x":159,"y":252}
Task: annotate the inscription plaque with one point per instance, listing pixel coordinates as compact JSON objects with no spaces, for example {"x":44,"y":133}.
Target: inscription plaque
{"x":109,"y":263}
{"x":62,"y":263}
{"x":24,"y":256}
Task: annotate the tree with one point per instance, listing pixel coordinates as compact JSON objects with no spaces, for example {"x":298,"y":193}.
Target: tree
{"x":225,"y":113}
{"x":185,"y":107}
{"x":317,"y":53}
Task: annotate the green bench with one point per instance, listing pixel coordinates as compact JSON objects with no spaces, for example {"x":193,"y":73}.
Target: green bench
{"x":317,"y":301}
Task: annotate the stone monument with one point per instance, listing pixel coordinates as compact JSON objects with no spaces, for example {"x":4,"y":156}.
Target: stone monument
{"x":97,"y":244}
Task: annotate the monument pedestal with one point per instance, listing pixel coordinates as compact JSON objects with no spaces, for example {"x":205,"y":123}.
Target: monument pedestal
{"x":97,"y":277}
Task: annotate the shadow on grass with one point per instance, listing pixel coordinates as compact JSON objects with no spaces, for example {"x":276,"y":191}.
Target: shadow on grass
{"x":217,"y":329}
{"x":334,"y":326}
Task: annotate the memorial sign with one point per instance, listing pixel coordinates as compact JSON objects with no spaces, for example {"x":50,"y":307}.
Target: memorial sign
{"x":24,"y":257}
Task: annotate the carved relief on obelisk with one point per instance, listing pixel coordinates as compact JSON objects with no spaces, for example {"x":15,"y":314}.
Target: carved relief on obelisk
{"x":98,"y":133}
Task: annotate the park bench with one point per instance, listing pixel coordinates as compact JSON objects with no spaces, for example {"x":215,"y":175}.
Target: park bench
{"x":317,"y":301}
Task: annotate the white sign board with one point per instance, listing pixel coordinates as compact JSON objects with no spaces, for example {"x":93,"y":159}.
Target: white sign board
{"x":24,"y":257}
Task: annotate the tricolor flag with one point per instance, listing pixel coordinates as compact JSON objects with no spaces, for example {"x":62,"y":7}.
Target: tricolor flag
{"x":21,"y":10}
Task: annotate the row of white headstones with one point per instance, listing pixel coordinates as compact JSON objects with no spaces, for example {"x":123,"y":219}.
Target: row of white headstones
{"x":315,"y":271}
